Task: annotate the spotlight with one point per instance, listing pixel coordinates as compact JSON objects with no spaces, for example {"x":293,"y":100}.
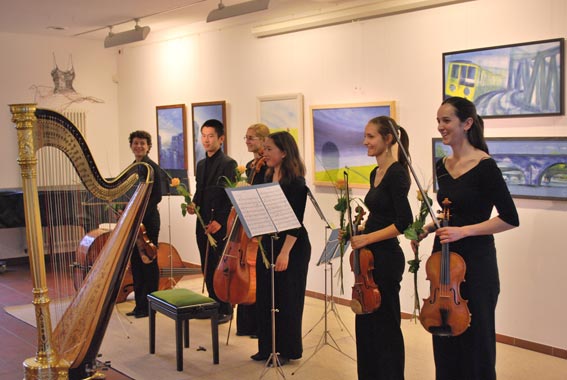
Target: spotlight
{"x":139,"y":33}
{"x":223,"y":11}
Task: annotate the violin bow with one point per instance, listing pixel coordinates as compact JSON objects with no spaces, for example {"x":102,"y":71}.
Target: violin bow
{"x":414,"y":175}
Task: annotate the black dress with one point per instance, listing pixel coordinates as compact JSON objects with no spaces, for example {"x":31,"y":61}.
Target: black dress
{"x":246,"y":315}
{"x":379,"y":339}
{"x":289,"y":285}
{"x":472,"y":355}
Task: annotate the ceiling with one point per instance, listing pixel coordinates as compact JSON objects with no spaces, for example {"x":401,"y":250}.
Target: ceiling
{"x":91,"y":18}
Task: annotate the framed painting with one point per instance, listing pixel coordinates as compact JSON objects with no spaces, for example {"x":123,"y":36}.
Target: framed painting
{"x":533,"y":167}
{"x":338,"y":132}
{"x":283,"y":113}
{"x":172,"y":142}
{"x":202,"y":112}
{"x":524,"y":79}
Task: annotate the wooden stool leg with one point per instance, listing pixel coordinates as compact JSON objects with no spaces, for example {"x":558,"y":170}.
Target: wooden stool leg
{"x":215,"y":335}
{"x":152,"y":322}
{"x":186,"y":333}
{"x":178,"y":347}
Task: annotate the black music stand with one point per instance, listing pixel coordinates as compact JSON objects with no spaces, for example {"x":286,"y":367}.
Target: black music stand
{"x":330,"y":252}
{"x":264,"y":210}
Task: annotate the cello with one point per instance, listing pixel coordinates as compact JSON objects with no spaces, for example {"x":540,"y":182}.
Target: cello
{"x":366,"y":297}
{"x":171,"y":270}
{"x":234,"y":279}
{"x":445,"y":313}
{"x":171,"y":267}
{"x":92,"y":243}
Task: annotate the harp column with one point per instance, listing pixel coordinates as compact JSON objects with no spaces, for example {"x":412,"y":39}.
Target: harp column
{"x":46,"y":364}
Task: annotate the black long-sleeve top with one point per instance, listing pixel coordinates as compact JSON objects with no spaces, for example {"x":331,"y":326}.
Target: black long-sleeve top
{"x":388,"y":202}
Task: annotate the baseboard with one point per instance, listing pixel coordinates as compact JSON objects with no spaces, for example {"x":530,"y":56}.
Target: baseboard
{"x":521,"y":343}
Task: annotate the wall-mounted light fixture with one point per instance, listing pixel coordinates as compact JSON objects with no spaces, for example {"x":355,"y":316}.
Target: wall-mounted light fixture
{"x":347,"y":13}
{"x":139,"y":33}
{"x":223,"y":11}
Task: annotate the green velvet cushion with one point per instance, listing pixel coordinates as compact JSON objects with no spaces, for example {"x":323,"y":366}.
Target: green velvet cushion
{"x":182,"y":297}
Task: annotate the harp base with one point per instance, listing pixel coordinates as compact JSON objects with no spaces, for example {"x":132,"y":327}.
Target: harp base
{"x":35,"y":369}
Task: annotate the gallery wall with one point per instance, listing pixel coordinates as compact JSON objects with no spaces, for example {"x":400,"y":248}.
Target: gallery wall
{"x":396,"y":58}
{"x":392,"y":58}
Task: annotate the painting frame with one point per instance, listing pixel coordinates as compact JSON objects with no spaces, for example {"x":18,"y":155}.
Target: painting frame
{"x":201,"y":112}
{"x":171,"y":126}
{"x":517,"y":80}
{"x":522,"y":159}
{"x":283,"y":112}
{"x":331,"y":125}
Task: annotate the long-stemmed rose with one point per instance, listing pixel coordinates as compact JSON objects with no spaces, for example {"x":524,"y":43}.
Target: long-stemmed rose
{"x":412,"y":233}
{"x":181,"y":189}
{"x":341,"y":207}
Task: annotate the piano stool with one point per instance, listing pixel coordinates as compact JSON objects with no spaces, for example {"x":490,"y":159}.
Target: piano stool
{"x":182,"y":305}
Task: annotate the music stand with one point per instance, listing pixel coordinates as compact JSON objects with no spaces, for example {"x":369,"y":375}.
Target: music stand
{"x":264,"y":210}
{"x":330,"y":252}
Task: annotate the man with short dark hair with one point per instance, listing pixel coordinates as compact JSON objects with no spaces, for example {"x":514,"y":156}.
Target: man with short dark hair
{"x":214,"y":204}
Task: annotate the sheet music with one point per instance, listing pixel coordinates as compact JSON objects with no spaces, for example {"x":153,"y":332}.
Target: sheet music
{"x":263,"y":209}
{"x":332,"y":248}
{"x":251,"y":209}
{"x":278,"y":207}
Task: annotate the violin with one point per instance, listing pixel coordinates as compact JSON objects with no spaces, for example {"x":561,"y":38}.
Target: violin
{"x":234,"y":279}
{"x":445,"y":313}
{"x":366,"y":297}
{"x":146,"y":249}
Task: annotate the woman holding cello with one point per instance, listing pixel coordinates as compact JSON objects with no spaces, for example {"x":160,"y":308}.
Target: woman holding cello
{"x":379,"y":340}
{"x":246,"y":321}
{"x":473,"y":183}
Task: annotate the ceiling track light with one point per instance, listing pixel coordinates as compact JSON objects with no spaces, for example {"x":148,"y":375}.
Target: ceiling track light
{"x":228,"y":11}
{"x":139,"y":33}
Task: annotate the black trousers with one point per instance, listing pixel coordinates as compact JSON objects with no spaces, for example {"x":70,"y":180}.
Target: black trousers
{"x":145,"y":276}
{"x":214,"y":255}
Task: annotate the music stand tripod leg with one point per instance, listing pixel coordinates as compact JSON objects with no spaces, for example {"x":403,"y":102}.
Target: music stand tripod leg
{"x":273,"y":360}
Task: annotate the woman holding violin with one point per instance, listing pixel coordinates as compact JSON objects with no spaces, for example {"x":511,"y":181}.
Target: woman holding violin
{"x":379,"y":340}
{"x":473,"y":183}
{"x":292,"y":251}
{"x":246,"y":321}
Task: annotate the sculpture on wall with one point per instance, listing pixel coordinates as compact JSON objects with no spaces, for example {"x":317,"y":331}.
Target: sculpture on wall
{"x":62,"y":94}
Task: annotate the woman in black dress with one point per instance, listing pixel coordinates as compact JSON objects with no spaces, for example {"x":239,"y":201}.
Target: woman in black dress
{"x":292,"y":251}
{"x":379,"y":340}
{"x":473,"y":183}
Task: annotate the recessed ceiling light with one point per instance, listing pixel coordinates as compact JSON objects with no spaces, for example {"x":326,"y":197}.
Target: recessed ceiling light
{"x":57,"y":27}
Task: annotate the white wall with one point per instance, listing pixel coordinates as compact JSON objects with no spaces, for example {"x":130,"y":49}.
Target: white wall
{"x":27,"y":61}
{"x":393,"y":58}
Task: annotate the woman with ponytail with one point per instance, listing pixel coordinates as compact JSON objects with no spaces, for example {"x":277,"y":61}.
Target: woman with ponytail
{"x":472,"y":181}
{"x":379,"y":340}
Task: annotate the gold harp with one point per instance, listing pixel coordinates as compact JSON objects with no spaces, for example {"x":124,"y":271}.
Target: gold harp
{"x":70,"y":349}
